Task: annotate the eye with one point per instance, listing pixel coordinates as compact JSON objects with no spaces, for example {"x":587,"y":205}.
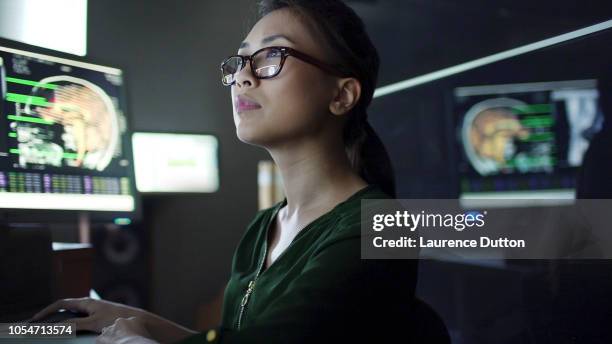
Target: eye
{"x":274,"y":53}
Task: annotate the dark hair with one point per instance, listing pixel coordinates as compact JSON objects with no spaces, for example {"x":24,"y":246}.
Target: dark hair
{"x":353,"y":52}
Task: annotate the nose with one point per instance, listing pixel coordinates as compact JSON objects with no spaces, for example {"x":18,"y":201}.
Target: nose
{"x":245,"y":77}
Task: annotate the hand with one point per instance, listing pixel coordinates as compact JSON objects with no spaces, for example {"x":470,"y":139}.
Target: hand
{"x":100,"y":313}
{"x":125,"y":331}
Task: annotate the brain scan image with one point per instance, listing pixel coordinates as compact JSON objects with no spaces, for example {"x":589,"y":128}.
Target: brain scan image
{"x":79,"y":125}
{"x":491,"y":134}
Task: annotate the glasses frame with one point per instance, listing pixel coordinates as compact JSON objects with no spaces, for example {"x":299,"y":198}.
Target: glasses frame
{"x":285,"y":51}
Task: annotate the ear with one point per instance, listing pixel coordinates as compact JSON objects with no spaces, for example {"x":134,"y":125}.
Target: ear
{"x":348,"y":92}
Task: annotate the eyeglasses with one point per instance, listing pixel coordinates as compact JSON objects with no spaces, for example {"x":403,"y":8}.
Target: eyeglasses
{"x":266,"y":63}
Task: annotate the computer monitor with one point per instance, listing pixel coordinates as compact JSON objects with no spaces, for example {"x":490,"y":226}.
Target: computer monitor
{"x":64,"y":146}
{"x":524,"y":141}
{"x":176,"y":162}
{"x":420,"y":120}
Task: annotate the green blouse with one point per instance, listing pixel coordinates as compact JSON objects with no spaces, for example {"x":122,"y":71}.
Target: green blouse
{"x":319,"y":289}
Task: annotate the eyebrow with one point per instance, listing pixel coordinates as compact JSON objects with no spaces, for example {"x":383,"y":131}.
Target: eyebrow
{"x":267,"y":40}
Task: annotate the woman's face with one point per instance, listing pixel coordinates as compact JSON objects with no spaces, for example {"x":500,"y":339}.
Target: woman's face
{"x":294,"y":105}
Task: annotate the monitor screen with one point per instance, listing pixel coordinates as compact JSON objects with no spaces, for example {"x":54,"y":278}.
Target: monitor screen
{"x":171,"y":162}
{"x":64,"y":138}
{"x":524,"y":140}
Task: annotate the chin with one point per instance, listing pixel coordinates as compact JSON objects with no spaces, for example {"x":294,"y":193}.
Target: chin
{"x":248,"y":135}
{"x":256,"y":137}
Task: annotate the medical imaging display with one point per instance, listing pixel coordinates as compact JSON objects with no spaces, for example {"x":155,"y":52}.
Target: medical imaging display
{"x":524,"y":137}
{"x":64,"y":135}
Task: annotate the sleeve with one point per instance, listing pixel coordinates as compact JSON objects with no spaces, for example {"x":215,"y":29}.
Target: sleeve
{"x":338,"y":298}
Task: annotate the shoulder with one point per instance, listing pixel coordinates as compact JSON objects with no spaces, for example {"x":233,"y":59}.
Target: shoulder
{"x":256,"y":228}
{"x":349,"y":216}
{"x":261,"y":218}
{"x":261,"y":215}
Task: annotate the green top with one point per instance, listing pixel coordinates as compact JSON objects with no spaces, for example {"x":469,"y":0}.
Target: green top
{"x":319,"y":289}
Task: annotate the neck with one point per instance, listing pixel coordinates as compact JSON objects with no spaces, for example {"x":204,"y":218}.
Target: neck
{"x":316,"y":175}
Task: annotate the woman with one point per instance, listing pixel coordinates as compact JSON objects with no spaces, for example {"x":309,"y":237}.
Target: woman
{"x":300,"y":86}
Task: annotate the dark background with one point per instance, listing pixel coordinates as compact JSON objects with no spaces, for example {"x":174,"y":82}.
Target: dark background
{"x":170,"y":52}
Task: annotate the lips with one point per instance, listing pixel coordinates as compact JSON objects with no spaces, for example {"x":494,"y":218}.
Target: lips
{"x":245,"y":104}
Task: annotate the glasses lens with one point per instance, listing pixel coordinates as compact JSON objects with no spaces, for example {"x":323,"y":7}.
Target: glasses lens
{"x":267,"y":62}
{"x":229,"y":68}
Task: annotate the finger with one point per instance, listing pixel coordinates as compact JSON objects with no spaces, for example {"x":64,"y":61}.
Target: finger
{"x":70,"y":304}
{"x":102,"y":339}
{"x":55,"y":306}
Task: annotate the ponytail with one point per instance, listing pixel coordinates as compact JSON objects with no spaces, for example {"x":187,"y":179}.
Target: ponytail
{"x":368,"y":156}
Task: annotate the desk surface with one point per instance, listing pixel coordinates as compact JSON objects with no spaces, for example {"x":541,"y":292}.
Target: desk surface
{"x":80,"y":339}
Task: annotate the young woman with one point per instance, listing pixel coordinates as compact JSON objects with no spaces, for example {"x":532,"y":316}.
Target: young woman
{"x":300,"y":85}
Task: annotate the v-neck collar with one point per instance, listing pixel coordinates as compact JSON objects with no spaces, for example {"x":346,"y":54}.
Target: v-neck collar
{"x":318,"y":219}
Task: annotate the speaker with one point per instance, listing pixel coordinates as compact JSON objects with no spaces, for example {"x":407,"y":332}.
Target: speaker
{"x":122,"y":263}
